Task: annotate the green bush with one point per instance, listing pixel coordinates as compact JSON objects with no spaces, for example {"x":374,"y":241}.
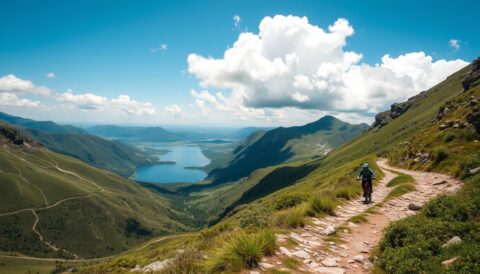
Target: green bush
{"x":440,"y":153}
{"x":291,"y":218}
{"x":185,"y":262}
{"x":399,"y":190}
{"x":400,"y":179}
{"x":324,"y":203}
{"x":256,"y":217}
{"x":243,"y":251}
{"x":288,"y":201}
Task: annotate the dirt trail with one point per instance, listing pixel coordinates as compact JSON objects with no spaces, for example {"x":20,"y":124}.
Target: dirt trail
{"x":317,"y":253}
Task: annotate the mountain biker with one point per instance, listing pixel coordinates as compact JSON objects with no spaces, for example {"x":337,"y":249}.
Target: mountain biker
{"x":366,"y":175}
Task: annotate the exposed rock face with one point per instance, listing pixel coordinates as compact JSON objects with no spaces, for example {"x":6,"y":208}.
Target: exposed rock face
{"x":14,"y":137}
{"x":474,"y":118}
{"x":474,"y":76}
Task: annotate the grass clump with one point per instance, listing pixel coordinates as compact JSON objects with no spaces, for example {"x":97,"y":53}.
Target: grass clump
{"x":319,"y":204}
{"x":400,"y":179}
{"x":185,"y":262}
{"x":256,"y":217}
{"x":288,"y":201}
{"x":291,"y":218}
{"x":400,"y":190}
{"x":290,"y":263}
{"x":244,"y":251}
{"x":359,"y":219}
{"x":440,"y":153}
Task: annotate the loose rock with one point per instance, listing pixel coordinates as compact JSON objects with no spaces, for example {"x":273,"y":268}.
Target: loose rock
{"x":328,"y":231}
{"x":455,"y":240}
{"x":449,"y":262}
{"x":414,"y":207}
{"x":359,"y":258}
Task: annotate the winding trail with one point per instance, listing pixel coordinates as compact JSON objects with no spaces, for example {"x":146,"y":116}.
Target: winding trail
{"x":318,"y":253}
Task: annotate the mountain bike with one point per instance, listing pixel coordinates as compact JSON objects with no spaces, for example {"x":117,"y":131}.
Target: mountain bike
{"x":367,"y":190}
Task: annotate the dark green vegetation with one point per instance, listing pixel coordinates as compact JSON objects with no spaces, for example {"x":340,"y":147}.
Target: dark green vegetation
{"x":76,"y":142}
{"x":279,"y":145}
{"x":77,"y":209}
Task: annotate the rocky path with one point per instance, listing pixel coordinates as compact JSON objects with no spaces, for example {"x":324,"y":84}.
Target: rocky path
{"x":336,"y":245}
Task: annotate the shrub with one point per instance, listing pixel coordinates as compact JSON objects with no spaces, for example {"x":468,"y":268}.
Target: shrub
{"x":440,"y":153}
{"x":450,"y":136}
{"x":243,"y":251}
{"x":324,"y":203}
{"x":256,"y":217}
{"x":291,"y":218}
{"x":288,"y":201}
{"x":185,"y":262}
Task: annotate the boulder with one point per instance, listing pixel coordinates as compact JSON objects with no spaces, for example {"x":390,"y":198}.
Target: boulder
{"x":328,"y":231}
{"x":368,"y":266}
{"x":449,"y":262}
{"x":474,"y":171}
{"x":414,"y":207}
{"x":330,"y":262}
{"x":455,"y":240}
{"x":359,"y":259}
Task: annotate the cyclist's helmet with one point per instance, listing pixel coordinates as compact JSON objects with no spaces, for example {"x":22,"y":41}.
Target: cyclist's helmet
{"x":365,"y":165}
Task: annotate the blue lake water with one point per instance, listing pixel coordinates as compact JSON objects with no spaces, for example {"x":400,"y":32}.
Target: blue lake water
{"x":183,"y":156}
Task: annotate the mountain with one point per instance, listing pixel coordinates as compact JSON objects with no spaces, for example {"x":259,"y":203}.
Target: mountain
{"x":45,"y":126}
{"x":76,"y":142}
{"x":247,"y":131}
{"x":52,"y":205}
{"x":154,"y":134}
{"x":286,"y":144}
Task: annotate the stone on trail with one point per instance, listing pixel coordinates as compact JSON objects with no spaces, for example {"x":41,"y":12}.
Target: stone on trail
{"x":414,"y":207}
{"x":156,"y":266}
{"x":440,"y":183}
{"x":455,"y":240}
{"x":264,"y":265}
{"x":330,"y":262}
{"x":329,"y":270}
{"x":301,"y":254}
{"x":449,"y":262}
{"x":328,"y":231}
{"x":359,"y":258}
{"x":368,"y":266}
{"x":285,"y":251}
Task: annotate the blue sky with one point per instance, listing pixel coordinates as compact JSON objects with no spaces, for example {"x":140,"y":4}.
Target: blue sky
{"x":112,"y":48}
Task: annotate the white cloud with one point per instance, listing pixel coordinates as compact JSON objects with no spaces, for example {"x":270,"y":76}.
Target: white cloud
{"x":162,"y":48}
{"x":236,"y":20}
{"x":11,"y":99}
{"x":50,"y":75}
{"x":174,"y":109}
{"x":454,"y":43}
{"x":291,"y":63}
{"x":90,"y":101}
{"x":11,"y":83}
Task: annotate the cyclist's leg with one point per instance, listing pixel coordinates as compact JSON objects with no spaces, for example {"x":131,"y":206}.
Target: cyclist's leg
{"x":364,"y":186}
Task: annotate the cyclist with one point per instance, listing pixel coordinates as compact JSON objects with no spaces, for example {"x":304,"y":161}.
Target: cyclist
{"x":366,"y":175}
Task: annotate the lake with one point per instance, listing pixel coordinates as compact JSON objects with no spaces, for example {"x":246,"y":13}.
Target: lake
{"x":183,"y":155}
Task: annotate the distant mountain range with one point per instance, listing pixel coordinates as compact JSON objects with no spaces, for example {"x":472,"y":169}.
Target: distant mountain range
{"x":70,"y":140}
{"x":267,"y":148}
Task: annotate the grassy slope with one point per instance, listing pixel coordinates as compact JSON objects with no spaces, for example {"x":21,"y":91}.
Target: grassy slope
{"x":88,"y":226}
{"x":283,"y":144}
{"x":76,"y":142}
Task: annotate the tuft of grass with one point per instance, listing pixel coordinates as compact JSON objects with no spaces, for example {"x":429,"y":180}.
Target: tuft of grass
{"x":290,"y":263}
{"x":359,"y":219}
{"x":291,"y":218}
{"x":399,"y":190}
{"x":244,"y":251}
{"x":441,"y":153}
{"x":185,"y":262}
{"x":400,"y":179}
{"x":319,"y":204}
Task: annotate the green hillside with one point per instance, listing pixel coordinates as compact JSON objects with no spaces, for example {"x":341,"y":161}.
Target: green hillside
{"x":111,"y":155}
{"x":417,"y":134}
{"x":286,"y":144}
{"x":52,"y":205}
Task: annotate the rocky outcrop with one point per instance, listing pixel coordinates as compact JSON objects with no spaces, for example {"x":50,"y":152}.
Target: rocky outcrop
{"x":474,"y":118}
{"x":473,"y":78}
{"x":12,"y":136}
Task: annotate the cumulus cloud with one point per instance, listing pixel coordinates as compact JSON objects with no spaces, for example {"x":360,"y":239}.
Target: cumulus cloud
{"x":90,"y":101}
{"x":293,"y":64}
{"x":11,"y":83}
{"x":11,"y":99}
{"x":454,"y":43}
{"x":50,"y":75}
{"x":173,"y":109}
